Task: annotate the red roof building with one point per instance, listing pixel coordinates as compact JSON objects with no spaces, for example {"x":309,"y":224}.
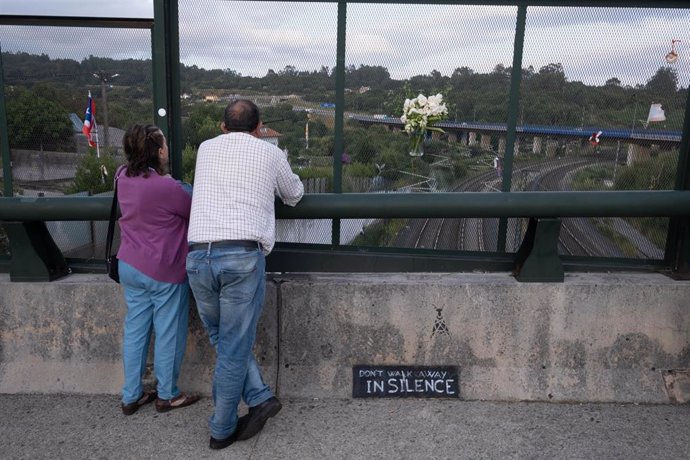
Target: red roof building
{"x":269,"y":135}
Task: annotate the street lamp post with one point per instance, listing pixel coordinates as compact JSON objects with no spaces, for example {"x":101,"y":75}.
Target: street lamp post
{"x":632,"y":129}
{"x":306,"y":131}
{"x":103,"y":77}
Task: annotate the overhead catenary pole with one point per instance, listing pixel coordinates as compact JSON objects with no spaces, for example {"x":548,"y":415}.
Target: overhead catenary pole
{"x":104,"y":77}
{"x":306,"y":132}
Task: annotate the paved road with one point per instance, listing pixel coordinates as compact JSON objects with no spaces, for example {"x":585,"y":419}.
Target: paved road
{"x":90,"y":427}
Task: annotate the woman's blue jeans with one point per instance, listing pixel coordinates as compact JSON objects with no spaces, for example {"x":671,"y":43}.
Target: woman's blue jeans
{"x":229,"y":287}
{"x":153,"y":306}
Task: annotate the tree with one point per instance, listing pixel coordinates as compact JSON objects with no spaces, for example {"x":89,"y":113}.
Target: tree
{"x":203,"y":123}
{"x":664,"y":82}
{"x":462,"y":72}
{"x":317,"y":128}
{"x":289,"y":70}
{"x":552,"y":68}
{"x":37,"y":123}
{"x":501,"y":69}
{"x":372,"y":76}
{"x":613,"y":82}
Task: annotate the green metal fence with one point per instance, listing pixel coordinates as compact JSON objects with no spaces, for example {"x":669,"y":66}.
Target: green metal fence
{"x":541,"y":96}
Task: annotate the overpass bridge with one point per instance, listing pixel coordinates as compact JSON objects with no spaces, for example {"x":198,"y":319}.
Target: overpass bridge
{"x":618,"y":134}
{"x":639,"y":140}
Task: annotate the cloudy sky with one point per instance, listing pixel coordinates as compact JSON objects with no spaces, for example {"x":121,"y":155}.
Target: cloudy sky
{"x":593,"y":44}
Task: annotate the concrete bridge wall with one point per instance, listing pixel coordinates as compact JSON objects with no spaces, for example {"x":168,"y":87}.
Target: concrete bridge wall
{"x":595,"y":337}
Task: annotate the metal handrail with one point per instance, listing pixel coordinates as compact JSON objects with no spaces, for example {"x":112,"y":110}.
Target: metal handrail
{"x":669,"y":203}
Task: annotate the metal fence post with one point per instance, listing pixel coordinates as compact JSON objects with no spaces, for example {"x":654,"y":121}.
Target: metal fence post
{"x":513,"y":103}
{"x":4,"y":137}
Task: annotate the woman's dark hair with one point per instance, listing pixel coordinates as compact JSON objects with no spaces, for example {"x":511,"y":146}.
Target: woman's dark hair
{"x":241,"y":115}
{"x":141,"y":144}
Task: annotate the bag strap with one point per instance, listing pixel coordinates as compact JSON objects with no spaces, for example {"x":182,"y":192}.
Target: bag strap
{"x":111,"y":223}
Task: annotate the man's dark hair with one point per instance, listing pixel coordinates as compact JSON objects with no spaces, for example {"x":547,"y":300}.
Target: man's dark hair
{"x":241,"y":115}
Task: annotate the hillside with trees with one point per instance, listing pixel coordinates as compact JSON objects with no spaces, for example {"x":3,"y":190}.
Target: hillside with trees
{"x":547,"y":97}
{"x":41,"y":91}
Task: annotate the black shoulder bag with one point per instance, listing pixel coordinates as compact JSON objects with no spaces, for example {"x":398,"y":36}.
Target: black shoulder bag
{"x":111,"y":259}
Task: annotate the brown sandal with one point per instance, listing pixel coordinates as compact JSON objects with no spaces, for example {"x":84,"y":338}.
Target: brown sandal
{"x":181,"y":400}
{"x":147,"y":397}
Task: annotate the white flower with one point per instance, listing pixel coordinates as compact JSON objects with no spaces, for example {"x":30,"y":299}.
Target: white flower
{"x":422,"y":112}
{"x":435,"y":100}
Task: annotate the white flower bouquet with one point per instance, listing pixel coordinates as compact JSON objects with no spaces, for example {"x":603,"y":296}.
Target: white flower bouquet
{"x":419,"y":116}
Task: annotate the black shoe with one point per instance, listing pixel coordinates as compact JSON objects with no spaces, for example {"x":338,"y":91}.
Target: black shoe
{"x":147,"y":397}
{"x":181,"y":400}
{"x":222,"y":443}
{"x":250,"y":424}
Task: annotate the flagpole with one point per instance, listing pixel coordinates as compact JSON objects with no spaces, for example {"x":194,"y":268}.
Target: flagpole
{"x":95,"y":125}
{"x":98,"y":150}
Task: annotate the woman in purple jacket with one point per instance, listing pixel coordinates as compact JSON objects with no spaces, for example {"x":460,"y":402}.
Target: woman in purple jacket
{"x":152,"y":253}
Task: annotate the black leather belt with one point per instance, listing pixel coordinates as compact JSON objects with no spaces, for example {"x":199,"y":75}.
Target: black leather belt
{"x":224,"y":244}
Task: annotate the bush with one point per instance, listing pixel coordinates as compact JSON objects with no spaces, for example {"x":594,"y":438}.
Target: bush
{"x":359,"y":170}
{"x":323,"y":162}
{"x":654,"y":174}
{"x":94,"y":175}
{"x":188,"y":163}
{"x":314,"y":172}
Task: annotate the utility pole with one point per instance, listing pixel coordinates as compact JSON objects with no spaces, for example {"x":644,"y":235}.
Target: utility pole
{"x":306,"y":131}
{"x":632,"y":128}
{"x":103,"y":77}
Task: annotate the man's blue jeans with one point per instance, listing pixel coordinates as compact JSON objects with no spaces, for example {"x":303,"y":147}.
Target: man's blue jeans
{"x":163,"y":308}
{"x":229,"y":286}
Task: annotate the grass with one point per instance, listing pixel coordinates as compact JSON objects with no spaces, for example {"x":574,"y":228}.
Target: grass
{"x":592,"y":178}
{"x":605,"y":226}
{"x":380,"y":234}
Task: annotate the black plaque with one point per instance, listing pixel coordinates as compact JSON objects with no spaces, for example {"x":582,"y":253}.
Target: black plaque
{"x":370,"y":381}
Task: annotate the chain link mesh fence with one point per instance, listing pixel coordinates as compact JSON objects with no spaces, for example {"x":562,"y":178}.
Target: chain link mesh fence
{"x":49,"y":73}
{"x":601,"y":105}
{"x":613,"y":83}
{"x":280,"y":56}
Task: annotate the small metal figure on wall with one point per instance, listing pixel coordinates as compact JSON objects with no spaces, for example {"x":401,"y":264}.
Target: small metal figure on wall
{"x":672,"y":56}
{"x":440,"y":324}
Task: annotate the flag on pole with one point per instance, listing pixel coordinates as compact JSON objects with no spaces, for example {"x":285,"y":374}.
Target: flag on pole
{"x":89,"y":120}
{"x":594,"y":139}
{"x":656,"y":113}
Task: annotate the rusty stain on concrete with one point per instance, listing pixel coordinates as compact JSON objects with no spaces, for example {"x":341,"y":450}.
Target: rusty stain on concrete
{"x":677,"y":384}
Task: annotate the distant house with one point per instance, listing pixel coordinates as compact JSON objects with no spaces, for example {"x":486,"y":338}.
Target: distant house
{"x":211,"y":98}
{"x":269,"y":135}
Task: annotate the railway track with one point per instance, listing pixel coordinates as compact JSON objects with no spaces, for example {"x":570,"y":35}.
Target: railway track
{"x":475,"y":234}
{"x":579,"y":236}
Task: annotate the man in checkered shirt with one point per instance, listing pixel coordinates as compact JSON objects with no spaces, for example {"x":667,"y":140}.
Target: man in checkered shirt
{"x":231,"y":230}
